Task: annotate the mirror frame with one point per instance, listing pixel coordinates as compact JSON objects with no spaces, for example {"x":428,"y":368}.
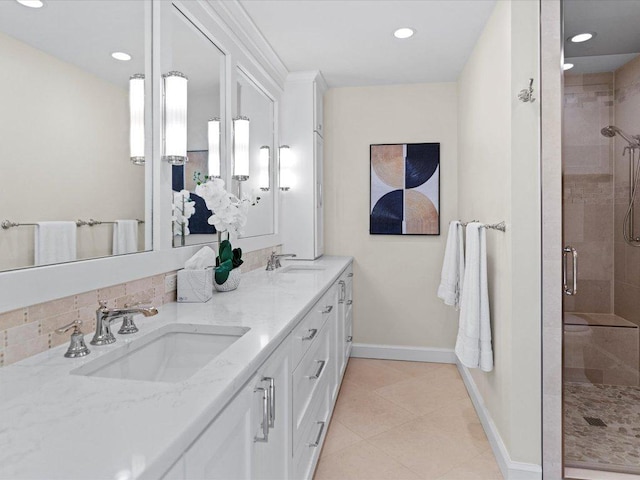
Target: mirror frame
{"x":227,"y":27}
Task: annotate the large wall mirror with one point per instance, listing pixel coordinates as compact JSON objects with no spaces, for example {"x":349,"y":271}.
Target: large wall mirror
{"x":190,"y":52}
{"x":69,"y":189}
{"x":255,"y":105}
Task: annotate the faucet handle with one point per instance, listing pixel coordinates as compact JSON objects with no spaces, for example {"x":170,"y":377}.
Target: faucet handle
{"x":102,"y":303}
{"x":128,"y":325}
{"x":77,"y":347}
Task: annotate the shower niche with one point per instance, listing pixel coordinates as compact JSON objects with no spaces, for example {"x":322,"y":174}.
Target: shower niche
{"x":601,"y":221}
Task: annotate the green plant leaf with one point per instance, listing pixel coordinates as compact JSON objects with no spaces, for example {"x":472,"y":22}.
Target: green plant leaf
{"x":237,"y":257}
{"x":222,"y":272}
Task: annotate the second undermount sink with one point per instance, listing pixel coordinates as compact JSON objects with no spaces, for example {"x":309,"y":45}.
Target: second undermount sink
{"x":301,"y":269}
{"x":172,"y":353}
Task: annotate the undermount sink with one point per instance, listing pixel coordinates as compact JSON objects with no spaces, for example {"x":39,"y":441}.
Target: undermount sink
{"x":170,"y":354}
{"x":300,"y":269}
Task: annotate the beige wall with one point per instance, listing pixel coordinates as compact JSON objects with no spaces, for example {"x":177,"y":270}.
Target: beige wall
{"x":499,"y":180}
{"x":397,"y":276}
{"x":65,"y":152}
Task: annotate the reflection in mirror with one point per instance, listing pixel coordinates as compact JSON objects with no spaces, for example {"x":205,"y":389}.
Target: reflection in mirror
{"x":65,"y":132}
{"x":195,"y":56}
{"x":257,"y":106}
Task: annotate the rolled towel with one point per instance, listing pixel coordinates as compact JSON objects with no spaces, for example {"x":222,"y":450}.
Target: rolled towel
{"x":55,"y":242}
{"x":451,"y":278}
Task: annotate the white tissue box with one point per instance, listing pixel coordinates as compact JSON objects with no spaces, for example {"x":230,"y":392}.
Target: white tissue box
{"x":195,"y":285}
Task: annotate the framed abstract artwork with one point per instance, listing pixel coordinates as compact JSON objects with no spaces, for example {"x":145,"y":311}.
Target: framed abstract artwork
{"x":405,"y":189}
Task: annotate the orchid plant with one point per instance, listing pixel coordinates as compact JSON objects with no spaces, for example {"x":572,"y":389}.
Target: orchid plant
{"x":230,"y":215}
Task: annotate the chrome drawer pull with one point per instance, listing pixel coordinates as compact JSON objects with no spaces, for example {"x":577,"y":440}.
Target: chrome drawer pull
{"x":343,"y":291}
{"x":319,"y":371}
{"x":312,"y":333}
{"x":265,"y":416}
{"x":349,"y":339}
{"x":317,"y":442}
{"x":350,"y":274}
{"x":349,"y":302}
{"x":327,"y":309}
{"x":272,"y":400}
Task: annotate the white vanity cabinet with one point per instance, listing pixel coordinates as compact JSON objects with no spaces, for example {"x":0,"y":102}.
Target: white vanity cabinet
{"x":274,"y":427}
{"x":250,"y":439}
{"x":302,"y":128}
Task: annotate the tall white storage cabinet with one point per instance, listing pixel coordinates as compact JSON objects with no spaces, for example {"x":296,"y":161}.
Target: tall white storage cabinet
{"x":301,"y":127}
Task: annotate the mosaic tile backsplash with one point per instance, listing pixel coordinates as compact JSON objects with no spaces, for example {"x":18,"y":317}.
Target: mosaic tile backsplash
{"x":31,"y":330}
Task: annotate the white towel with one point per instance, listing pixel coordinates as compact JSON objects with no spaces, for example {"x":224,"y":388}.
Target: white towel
{"x":55,"y":242}
{"x":473,"y":345}
{"x":452,"y":276}
{"x":125,"y":236}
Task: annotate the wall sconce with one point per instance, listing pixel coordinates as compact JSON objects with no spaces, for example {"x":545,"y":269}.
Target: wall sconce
{"x":175,"y":118}
{"x":285,"y":168}
{"x":241,"y":149}
{"x":213,"y":134}
{"x":265,"y":168}
{"x":136,"y":117}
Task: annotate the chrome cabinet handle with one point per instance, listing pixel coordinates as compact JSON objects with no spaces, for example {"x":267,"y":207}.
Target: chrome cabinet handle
{"x":318,"y":437}
{"x":312,"y":333}
{"x":265,"y":416}
{"x":316,"y":375}
{"x":349,"y":339}
{"x":350,"y":274}
{"x":565,"y":255}
{"x":343,"y":291}
{"x":349,"y":302}
{"x":272,"y":400}
{"x":327,"y":309}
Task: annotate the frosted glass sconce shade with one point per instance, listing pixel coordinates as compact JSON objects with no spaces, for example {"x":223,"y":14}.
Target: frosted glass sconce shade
{"x":136,"y":117}
{"x":285,"y":168}
{"x":265,"y":168}
{"x":241,"y":149}
{"x":213,"y":134}
{"x":175,"y":118}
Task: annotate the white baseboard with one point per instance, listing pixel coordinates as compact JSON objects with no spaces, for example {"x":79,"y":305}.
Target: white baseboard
{"x":409,"y":354}
{"x":510,"y":470}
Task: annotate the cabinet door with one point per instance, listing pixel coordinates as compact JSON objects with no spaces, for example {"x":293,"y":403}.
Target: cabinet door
{"x":319,"y":224}
{"x":271,"y":458}
{"x":224,"y":450}
{"x":317,"y":110}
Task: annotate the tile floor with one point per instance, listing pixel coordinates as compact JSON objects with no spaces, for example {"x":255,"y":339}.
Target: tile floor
{"x":405,"y":420}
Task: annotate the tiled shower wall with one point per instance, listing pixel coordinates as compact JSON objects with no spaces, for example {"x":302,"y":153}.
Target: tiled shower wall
{"x":588,"y":189}
{"x":627,"y":258}
{"x":28,"y":331}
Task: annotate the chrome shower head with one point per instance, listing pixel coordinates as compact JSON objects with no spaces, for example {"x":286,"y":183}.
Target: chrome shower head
{"x":612,"y":130}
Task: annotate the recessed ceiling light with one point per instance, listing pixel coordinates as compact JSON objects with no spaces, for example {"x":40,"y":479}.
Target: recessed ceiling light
{"x":31,"y":3}
{"x":567,"y":66}
{"x":125,"y":57}
{"x":403,"y":32}
{"x":581,"y":37}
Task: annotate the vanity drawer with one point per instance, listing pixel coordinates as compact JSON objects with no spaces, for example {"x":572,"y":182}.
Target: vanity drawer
{"x":310,"y":382}
{"x":307,"y":449}
{"x":306,"y":333}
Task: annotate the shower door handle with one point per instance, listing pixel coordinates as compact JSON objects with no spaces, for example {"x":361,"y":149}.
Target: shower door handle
{"x":574,"y":261}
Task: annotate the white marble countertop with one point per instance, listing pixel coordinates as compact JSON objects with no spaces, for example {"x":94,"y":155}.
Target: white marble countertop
{"x":56,"y":425}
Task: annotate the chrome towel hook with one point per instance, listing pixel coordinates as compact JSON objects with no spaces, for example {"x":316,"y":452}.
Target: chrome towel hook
{"x":526,"y":94}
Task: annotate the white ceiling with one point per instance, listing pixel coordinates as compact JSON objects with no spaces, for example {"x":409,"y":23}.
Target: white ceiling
{"x":617,"y":27}
{"x":352,"y":42}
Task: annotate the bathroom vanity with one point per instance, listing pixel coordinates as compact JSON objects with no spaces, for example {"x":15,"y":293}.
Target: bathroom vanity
{"x":153,"y":407}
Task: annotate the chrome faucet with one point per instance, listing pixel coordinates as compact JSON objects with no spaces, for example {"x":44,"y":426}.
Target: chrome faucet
{"x":274,"y":260}
{"x":105,"y":316}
